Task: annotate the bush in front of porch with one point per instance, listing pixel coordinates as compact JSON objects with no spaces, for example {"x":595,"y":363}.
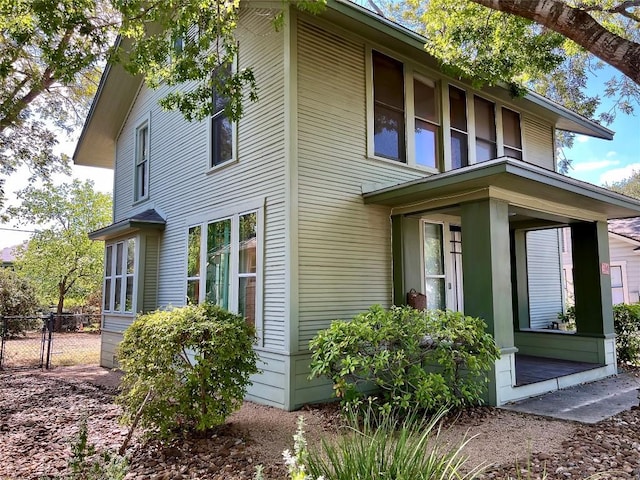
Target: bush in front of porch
{"x":626,"y":321}
{"x":418,"y":359}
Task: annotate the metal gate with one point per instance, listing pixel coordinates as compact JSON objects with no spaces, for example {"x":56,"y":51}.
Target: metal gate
{"x":48,"y":341}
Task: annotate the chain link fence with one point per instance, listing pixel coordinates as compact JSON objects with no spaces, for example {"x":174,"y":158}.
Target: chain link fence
{"x":49,"y":341}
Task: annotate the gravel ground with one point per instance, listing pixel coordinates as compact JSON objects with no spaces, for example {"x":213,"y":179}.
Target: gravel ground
{"x":40,"y":413}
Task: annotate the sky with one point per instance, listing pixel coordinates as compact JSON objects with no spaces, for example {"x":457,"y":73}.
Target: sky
{"x":600,"y":161}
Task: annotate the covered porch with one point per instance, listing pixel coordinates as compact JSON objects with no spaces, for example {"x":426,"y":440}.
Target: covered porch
{"x":487,"y":212}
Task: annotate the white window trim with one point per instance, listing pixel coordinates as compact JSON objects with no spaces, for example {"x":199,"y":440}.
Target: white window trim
{"x":219,"y":215}
{"x":409,"y":111}
{"x":140,"y":124}
{"x":123,"y":276}
{"x":625,"y":281}
{"x":447,"y":276}
{"x":234,"y":137}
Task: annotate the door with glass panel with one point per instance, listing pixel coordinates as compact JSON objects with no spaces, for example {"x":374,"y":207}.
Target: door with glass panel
{"x":442,"y":257}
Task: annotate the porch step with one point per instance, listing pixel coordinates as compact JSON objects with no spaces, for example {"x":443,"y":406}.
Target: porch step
{"x":585,"y":403}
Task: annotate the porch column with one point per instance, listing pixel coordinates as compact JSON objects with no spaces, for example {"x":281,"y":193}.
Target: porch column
{"x":592,"y":287}
{"x":486,"y":267}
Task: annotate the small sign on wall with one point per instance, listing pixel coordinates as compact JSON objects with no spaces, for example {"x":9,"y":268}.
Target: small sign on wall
{"x":604,"y":268}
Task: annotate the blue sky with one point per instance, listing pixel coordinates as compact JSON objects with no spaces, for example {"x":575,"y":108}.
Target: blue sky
{"x":602,"y":161}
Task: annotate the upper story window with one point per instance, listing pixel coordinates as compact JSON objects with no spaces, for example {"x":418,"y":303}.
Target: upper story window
{"x":459,"y":131}
{"x":406,"y":119}
{"x":485,"y":123}
{"x":511,"y":134}
{"x":119,"y":276}
{"x":141,"y":190}
{"x":223,"y":264}
{"x":221,"y":127}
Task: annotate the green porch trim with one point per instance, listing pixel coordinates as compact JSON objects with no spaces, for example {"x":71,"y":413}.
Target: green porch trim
{"x":575,"y":347}
{"x":486,"y":267}
{"x":592,"y":287}
{"x":397,"y":254}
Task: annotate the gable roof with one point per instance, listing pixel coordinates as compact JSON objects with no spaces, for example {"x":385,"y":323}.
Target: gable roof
{"x":626,"y":227}
{"x":117,"y":90}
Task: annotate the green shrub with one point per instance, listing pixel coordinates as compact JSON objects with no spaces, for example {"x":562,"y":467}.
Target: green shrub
{"x":626,"y":321}
{"x":423,"y":359}
{"x":191,"y":364}
{"x":384,"y":447}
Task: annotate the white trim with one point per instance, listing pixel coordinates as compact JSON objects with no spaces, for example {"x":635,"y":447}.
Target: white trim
{"x":625,"y":279}
{"x":142,"y":123}
{"x":622,"y":238}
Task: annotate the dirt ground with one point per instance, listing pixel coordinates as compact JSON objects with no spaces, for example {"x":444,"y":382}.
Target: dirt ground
{"x":40,"y":413}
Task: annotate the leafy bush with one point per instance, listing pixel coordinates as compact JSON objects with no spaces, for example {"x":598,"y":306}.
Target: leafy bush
{"x":17,"y":298}
{"x":423,"y":359}
{"x":626,"y":321}
{"x":186,"y":368}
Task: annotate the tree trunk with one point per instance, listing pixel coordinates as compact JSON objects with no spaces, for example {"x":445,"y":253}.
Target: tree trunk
{"x":577,"y":25}
{"x":60,"y":307}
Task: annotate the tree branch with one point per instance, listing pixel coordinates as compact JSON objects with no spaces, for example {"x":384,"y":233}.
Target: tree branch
{"x":577,"y":25}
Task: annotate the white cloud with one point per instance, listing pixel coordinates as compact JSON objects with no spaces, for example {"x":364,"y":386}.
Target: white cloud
{"x":594,"y":165}
{"x":612,"y":153}
{"x":582,"y":138}
{"x":617,"y":174}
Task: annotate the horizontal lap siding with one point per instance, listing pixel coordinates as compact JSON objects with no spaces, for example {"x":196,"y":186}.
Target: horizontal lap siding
{"x":344,"y":256}
{"x":538,"y":146}
{"x":624,"y":252}
{"x":544,"y":277}
{"x":180,"y":186}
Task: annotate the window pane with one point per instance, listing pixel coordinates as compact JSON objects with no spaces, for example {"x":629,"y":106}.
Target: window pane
{"x":510,"y":152}
{"x":388,"y":135}
{"x":388,"y":82}
{"x":106,"y":301}
{"x":109,"y":261}
{"x":218,"y":258}
{"x":485,"y":119}
{"x":617,"y":295}
{"x":425,"y":101}
{"x":459,"y":150}
{"x":616,"y":276}
{"x":117,"y":306}
{"x":193,"y":252}
{"x":131,"y":253}
{"x":511,"y":128}
{"x":193,"y":292}
{"x":458,"y":108}
{"x":485,"y":150}
{"x":426,"y":144}
{"x":221,"y":140}
{"x":435,"y":293}
{"x":433,"y":259}
{"x":219,"y":100}
{"x":119,"y":248}
{"x":247,"y":299}
{"x":128,"y":302}
{"x":141,"y":173}
{"x":248,"y":245}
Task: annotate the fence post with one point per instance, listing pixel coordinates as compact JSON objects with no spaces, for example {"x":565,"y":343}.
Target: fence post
{"x":3,"y":334}
{"x":43,"y":341}
{"x":50,"y":325}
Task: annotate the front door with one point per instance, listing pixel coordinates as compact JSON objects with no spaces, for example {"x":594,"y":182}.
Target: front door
{"x":442,"y":260}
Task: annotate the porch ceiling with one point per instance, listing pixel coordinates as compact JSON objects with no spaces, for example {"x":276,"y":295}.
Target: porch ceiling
{"x":519,"y":183}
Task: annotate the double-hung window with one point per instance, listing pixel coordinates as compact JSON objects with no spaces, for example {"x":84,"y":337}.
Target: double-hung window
{"x":459,"y":132}
{"x":221,"y":127}
{"x":224,"y":263}
{"x":142,"y":162}
{"x":406,"y":114}
{"x":485,"y":123}
{"x":119,"y":277}
{"x":511,"y":135}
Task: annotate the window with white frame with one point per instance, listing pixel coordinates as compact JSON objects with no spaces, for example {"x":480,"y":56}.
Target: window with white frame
{"x":434,"y":265}
{"x":223,"y":263}
{"x":459,"y":130}
{"x":619,"y":292}
{"x":142,"y":162}
{"x":119,"y":278}
{"x":221,"y":127}
{"x":485,"y":123}
{"x":406,"y":114}
{"x":511,"y":134}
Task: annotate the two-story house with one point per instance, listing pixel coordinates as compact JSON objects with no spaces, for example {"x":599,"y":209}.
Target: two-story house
{"x":362,"y":172}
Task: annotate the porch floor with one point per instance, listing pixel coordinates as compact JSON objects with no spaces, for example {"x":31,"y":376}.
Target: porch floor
{"x":530,"y":369}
